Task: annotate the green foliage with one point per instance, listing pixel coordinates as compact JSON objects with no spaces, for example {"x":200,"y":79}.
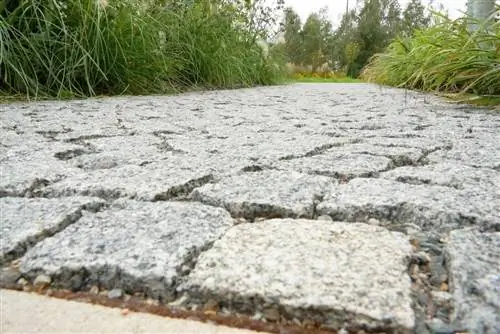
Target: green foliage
{"x":446,"y":58}
{"x":363,"y":31}
{"x":292,"y":27}
{"x":90,"y":47}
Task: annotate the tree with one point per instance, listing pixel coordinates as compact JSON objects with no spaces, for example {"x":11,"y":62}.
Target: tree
{"x":378,"y":23}
{"x":481,"y":10}
{"x":292,"y":26}
{"x":414,"y":17}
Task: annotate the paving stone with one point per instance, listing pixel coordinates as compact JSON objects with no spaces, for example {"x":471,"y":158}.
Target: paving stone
{"x":111,"y":152}
{"x":156,"y":181}
{"x":453,"y":175}
{"x":399,"y":155}
{"x":26,"y":221}
{"x":429,"y":166}
{"x":430,"y":207}
{"x":134,"y":246}
{"x":339,"y":165}
{"x":33,"y":165}
{"x":269,"y":193}
{"x":349,"y":274}
{"x":480,"y":150}
{"x":473,"y":260}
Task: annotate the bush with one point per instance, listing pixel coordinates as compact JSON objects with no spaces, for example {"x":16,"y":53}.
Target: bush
{"x":93,"y":47}
{"x":444,"y":58}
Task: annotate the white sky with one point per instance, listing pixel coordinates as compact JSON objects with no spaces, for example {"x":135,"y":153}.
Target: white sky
{"x":337,"y":7}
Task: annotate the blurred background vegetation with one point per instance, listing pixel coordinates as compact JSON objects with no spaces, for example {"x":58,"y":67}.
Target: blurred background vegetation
{"x":77,"y":48}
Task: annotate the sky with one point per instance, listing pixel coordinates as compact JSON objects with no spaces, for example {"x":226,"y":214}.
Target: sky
{"x":337,"y":7}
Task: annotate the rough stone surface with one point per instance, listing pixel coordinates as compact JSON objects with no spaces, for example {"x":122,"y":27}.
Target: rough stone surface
{"x":25,"y":221}
{"x":395,"y":159}
{"x":431,"y":207}
{"x":474,"y":266}
{"x":272,"y":194}
{"x":343,"y":166}
{"x":338,"y":272}
{"x":134,"y":246}
{"x":156,"y":181}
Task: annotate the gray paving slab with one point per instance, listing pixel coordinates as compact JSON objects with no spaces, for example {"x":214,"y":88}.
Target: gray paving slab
{"x":268,"y":194}
{"x":32,"y":164}
{"x":431,"y":207}
{"x":408,"y":161}
{"x":474,"y":266}
{"x":343,"y":166}
{"x":450,"y":174}
{"x":133,"y":246}
{"x":160,"y":180}
{"x":348,"y":275}
{"x":26,"y":221}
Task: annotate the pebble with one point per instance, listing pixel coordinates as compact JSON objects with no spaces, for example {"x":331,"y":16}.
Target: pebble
{"x":257,"y":316}
{"x":115,"y":293}
{"x":438,"y":326}
{"x":179,"y":301}
{"x":9,"y":276}
{"x":373,"y":221}
{"x":421,"y":258}
{"x":94,"y":290}
{"x":325,"y":218}
{"x":211,"y":304}
{"x":441,"y":297}
{"x":271,"y":314}
{"x":42,"y":281}
{"x":153,"y":302}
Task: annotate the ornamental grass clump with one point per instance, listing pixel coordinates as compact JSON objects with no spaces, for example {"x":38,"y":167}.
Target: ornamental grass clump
{"x":77,"y":48}
{"x":448,"y":57}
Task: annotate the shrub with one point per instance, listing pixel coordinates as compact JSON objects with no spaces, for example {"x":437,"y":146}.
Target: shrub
{"x":446,"y":58}
{"x":92,"y":47}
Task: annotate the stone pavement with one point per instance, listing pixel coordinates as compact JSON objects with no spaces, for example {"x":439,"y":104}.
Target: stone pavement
{"x":344,"y":207}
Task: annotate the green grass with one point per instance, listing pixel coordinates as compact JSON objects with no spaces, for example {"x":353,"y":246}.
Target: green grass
{"x":324,"y":80}
{"x":89,"y":47}
{"x":445,"y":58}
{"x":482,"y":101}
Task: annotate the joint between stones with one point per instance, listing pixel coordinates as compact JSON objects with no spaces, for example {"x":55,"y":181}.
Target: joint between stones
{"x":182,"y":192}
{"x":29,"y":242}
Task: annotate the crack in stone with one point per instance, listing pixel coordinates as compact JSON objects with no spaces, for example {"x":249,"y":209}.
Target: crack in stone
{"x":70,"y":154}
{"x":52,"y":134}
{"x":181,"y":192}
{"x":422,"y":161}
{"x":32,"y":189}
{"x":29,"y":242}
{"x":256,"y":168}
{"x":318,"y":150}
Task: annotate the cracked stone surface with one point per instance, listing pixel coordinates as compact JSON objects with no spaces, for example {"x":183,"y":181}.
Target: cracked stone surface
{"x":474,"y":265}
{"x":25,"y":221}
{"x":170,"y":175}
{"x":270,"y":193}
{"x":431,"y":207}
{"x":134,"y":246}
{"x":349,"y":274}
{"x":161,"y":180}
{"x":339,"y":165}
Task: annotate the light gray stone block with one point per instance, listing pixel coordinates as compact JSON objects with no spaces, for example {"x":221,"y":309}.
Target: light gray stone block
{"x":344,"y":274}
{"x":27,"y":221}
{"x":269,"y":193}
{"x":133,"y":246}
{"x":473,"y":260}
